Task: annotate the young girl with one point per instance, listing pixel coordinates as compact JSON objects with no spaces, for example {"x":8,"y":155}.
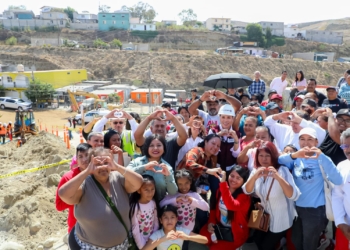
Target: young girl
{"x":171,"y":236}
{"x":289,"y":149}
{"x":143,"y":212}
{"x":186,"y":200}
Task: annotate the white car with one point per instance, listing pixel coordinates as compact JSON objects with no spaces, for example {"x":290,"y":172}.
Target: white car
{"x":91,"y":115}
{"x":14,"y":103}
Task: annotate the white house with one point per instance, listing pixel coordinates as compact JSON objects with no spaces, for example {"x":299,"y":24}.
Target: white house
{"x":240,"y":29}
{"x":221,"y":23}
{"x":142,"y":26}
{"x":277,"y":28}
{"x":84,"y":17}
{"x":292,"y":31}
{"x":52,"y":13}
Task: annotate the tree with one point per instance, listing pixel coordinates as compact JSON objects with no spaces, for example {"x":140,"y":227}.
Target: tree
{"x":268,"y":36}
{"x":17,"y":7}
{"x":38,"y":91}
{"x":254,"y":33}
{"x":69,"y":11}
{"x":187,"y":15}
{"x":103,"y":9}
{"x":116,"y":43}
{"x":99,"y":43}
{"x":113,"y":98}
{"x":141,"y":10}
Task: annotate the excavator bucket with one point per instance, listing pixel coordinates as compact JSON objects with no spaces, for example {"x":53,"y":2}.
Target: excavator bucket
{"x":25,"y":123}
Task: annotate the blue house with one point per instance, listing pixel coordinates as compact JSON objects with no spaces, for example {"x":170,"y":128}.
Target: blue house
{"x":114,"y":20}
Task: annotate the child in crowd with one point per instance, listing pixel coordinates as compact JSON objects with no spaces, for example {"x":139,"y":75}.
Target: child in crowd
{"x":143,"y":212}
{"x":171,"y":236}
{"x":289,"y":149}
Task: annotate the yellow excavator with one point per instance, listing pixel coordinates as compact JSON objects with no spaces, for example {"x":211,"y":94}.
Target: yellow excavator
{"x":24,"y":124}
{"x":98,"y":103}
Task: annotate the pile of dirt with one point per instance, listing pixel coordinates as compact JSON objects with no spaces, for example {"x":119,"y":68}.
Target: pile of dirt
{"x":28,"y":218}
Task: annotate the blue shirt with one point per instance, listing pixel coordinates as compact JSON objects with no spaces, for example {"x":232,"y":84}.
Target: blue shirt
{"x":308,"y":178}
{"x":164,"y":184}
{"x":344,"y":92}
{"x":257,"y":87}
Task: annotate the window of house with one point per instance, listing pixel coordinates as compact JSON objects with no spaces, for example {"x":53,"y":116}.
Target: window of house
{"x":113,"y":15}
{"x":331,"y":33}
{"x":68,"y":73}
{"x":150,"y":26}
{"x":226,"y":26}
{"x":292,"y":34}
{"x":123,"y":16}
{"x":103,"y":15}
{"x":50,"y":15}
{"x":51,"y":21}
{"x":61,"y":22}
{"x":82,"y":16}
{"x":9,"y":79}
{"x":271,"y":24}
{"x":138,"y":96}
{"x":104,"y":22}
{"x":122,"y":22}
{"x":324,"y":32}
{"x":226,"y":20}
{"x":216,"y":20}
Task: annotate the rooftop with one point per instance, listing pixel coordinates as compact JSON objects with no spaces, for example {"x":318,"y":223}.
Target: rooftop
{"x":147,"y":90}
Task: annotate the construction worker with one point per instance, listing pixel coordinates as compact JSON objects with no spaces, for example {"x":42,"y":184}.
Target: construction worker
{"x":2,"y":132}
{"x":117,"y":120}
{"x":19,"y":142}
{"x":9,"y":130}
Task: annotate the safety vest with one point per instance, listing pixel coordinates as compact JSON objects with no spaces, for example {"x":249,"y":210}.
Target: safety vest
{"x":128,"y":145}
{"x":2,"y":130}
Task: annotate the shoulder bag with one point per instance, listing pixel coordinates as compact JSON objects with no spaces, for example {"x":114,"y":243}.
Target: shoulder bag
{"x":328,"y":186}
{"x":132,"y":244}
{"x":259,"y":219}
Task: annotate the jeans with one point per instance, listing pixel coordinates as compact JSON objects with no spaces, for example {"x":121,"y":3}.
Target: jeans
{"x":268,"y":240}
{"x":308,"y":227}
{"x":73,"y":245}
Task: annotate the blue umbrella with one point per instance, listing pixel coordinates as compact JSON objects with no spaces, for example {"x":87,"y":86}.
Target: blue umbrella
{"x":227,"y":80}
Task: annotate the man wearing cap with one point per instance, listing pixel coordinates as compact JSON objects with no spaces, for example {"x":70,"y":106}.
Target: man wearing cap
{"x":298,"y":101}
{"x":341,"y":197}
{"x":272,"y":109}
{"x":344,"y":91}
{"x":195,"y":97}
{"x":331,"y":144}
{"x":332,"y":101}
{"x":276,"y":98}
{"x":118,"y":124}
{"x":285,"y":134}
{"x":305,"y":165}
{"x":311,"y":88}
{"x":271,"y":92}
{"x":280,"y":83}
{"x":211,"y":97}
{"x":257,"y":87}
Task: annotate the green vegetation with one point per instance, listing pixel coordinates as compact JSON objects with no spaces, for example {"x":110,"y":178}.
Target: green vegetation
{"x":143,"y":11}
{"x":11,"y":41}
{"x":2,"y":91}
{"x":255,"y":34}
{"x":327,"y":74}
{"x":38,"y":91}
{"x":137,"y":82}
{"x":145,"y":36}
{"x":113,"y":98}
{"x":69,"y":11}
{"x":116,"y":43}
{"x":99,"y":43}
{"x":47,"y":29}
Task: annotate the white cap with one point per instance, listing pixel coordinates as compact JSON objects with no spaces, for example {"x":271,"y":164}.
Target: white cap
{"x":308,"y":131}
{"x":227,"y":110}
{"x":10,"y":122}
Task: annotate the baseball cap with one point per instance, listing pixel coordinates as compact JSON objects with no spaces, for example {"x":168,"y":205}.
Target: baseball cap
{"x":276,"y":96}
{"x":310,"y":102}
{"x":302,"y":97}
{"x":227,"y":110}
{"x":308,"y":131}
{"x":244,"y":95}
{"x":343,"y":112}
{"x":272,"y":91}
{"x":272,"y":105}
{"x":331,"y":87}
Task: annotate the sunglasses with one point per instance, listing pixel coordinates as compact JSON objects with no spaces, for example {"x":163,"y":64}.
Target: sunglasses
{"x":344,"y":146}
{"x":118,"y":122}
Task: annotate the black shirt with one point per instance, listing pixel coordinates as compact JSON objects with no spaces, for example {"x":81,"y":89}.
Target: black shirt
{"x":320,"y":96}
{"x":332,"y":150}
{"x":335,"y":105}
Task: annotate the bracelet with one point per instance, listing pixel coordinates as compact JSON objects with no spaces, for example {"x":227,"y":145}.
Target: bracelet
{"x":199,"y":99}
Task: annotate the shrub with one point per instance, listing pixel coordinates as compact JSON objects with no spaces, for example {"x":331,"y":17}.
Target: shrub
{"x":11,"y":41}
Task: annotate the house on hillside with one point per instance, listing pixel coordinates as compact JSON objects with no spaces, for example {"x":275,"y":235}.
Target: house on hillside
{"x":18,"y":14}
{"x":277,"y":28}
{"x":142,"y":26}
{"x":292,"y":31}
{"x":84,"y":17}
{"x":114,"y":20}
{"x":222,"y":24}
{"x":240,"y":29}
{"x":323,"y":36}
{"x":52,"y":13}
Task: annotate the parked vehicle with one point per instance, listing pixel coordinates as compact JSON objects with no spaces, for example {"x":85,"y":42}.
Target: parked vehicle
{"x":128,"y":48}
{"x":91,"y":115}
{"x":14,"y":103}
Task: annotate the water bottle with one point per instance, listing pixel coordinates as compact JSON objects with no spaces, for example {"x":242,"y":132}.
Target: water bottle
{"x":213,"y":238}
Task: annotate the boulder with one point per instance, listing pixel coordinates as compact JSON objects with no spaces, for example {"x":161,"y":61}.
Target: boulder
{"x":35,"y":227}
{"x":53,"y":180}
{"x":49,"y":242}
{"x":11,"y":246}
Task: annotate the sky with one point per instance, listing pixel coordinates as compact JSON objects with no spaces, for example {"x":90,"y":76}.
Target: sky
{"x":293,"y":11}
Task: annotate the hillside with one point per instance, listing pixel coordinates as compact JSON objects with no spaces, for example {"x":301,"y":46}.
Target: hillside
{"x":168,"y":70}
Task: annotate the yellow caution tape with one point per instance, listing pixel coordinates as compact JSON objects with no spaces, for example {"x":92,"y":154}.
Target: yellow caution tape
{"x":34,"y":169}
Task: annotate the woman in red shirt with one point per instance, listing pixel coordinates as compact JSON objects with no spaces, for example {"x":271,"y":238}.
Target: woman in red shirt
{"x":230,"y":210}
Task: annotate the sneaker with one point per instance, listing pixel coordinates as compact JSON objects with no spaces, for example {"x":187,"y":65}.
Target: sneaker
{"x":323,"y":240}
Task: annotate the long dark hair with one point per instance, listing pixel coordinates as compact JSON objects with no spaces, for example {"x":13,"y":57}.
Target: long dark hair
{"x":271,"y":149}
{"x":135,"y":196}
{"x":244,"y":173}
{"x":137,"y":118}
{"x":302,"y":76}
{"x":148,"y":142}
{"x":184,"y":173}
{"x":208,"y":138}
{"x":108,"y":136}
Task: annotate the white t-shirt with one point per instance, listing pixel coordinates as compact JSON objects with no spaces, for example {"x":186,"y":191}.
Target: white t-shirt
{"x":208,"y":119}
{"x":223,"y":214}
{"x":278,"y":85}
{"x":169,"y":244}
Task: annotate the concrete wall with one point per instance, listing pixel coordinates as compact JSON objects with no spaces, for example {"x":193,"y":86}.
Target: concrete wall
{"x":34,"y":41}
{"x":84,"y":26}
{"x":277,"y":28}
{"x":53,"y":15}
{"x":292,"y":32}
{"x":32,"y":23}
{"x":324,"y":36}
{"x":306,"y":56}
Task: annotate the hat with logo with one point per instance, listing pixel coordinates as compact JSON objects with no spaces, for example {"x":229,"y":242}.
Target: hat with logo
{"x":301,"y":97}
{"x":227,"y":110}
{"x":310,"y":102}
{"x":276,"y":96}
{"x":272,"y":105}
{"x":308,"y":131}
{"x":343,"y":112}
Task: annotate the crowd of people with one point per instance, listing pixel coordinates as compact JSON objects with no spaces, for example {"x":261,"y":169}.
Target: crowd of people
{"x":193,"y":175}
{"x":6,"y":130}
